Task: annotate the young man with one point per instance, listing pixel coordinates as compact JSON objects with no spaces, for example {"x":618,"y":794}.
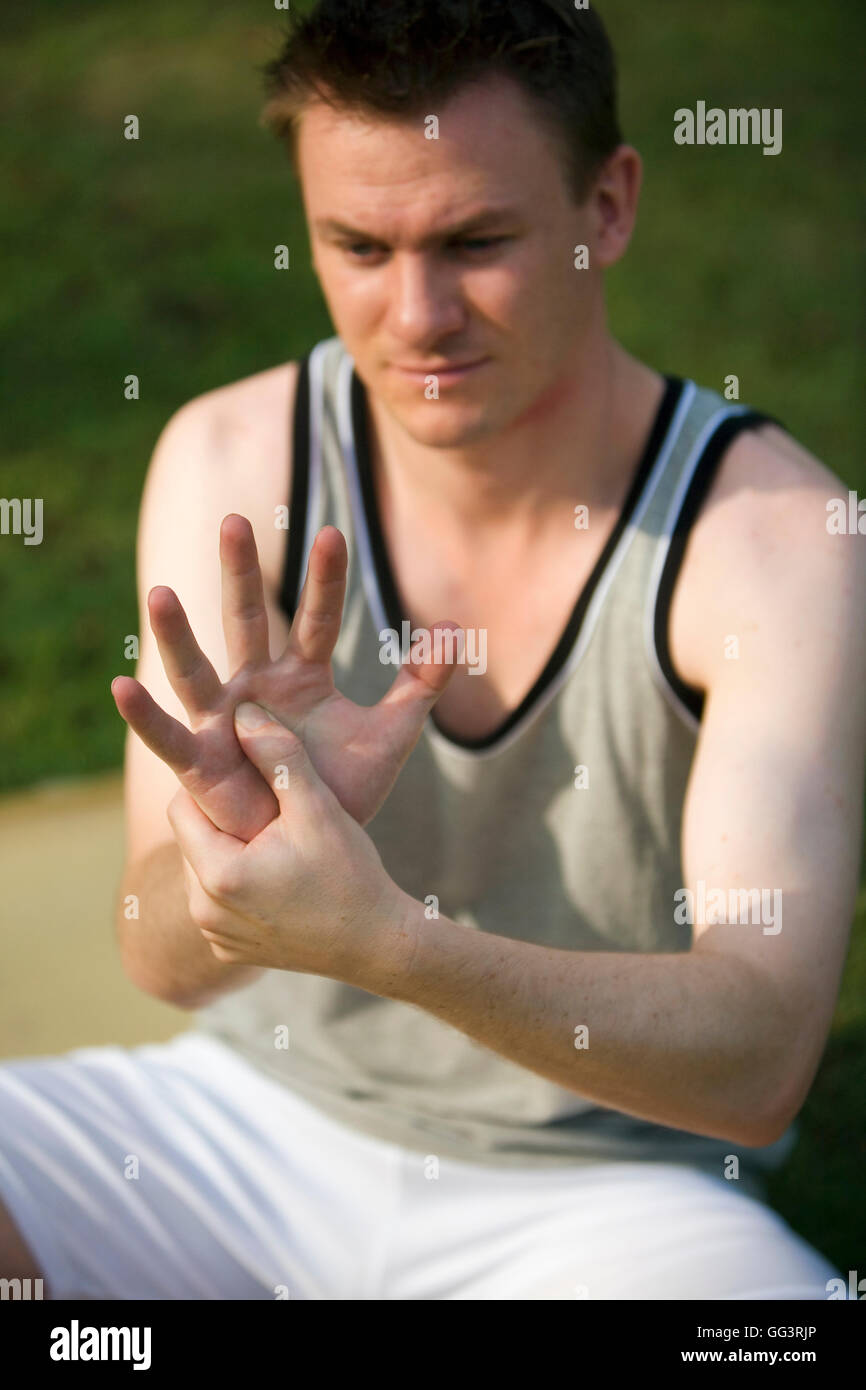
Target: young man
{"x":472,"y":1023}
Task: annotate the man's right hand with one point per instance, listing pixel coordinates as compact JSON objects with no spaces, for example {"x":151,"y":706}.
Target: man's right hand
{"x":357,"y":750}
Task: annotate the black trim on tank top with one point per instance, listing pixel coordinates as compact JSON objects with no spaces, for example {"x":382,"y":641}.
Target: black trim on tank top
{"x":699,"y":486}
{"x":394,"y":607}
{"x":294,"y":555}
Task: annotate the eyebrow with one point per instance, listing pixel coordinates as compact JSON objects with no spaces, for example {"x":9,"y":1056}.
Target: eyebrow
{"x":332,"y":226}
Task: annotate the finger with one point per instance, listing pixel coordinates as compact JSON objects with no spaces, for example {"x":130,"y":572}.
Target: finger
{"x":163,"y":735}
{"x":209,"y":852}
{"x":317,"y":622}
{"x":196,"y":896}
{"x":421,"y":681}
{"x":189,"y":877}
{"x":245,"y":619}
{"x":279,"y":755}
{"x":190,"y":674}
{"x":405,"y":707}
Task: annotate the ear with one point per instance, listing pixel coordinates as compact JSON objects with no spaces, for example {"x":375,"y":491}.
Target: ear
{"x":614,"y":201}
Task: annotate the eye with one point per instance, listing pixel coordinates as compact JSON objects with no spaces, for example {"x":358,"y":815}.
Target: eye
{"x":355,"y":248}
{"x":365,"y":250}
{"x":479,"y":243}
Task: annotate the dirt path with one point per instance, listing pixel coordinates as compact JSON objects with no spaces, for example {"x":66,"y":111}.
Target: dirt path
{"x":61,"y":984}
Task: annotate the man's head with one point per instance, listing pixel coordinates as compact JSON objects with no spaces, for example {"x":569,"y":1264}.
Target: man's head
{"x":406,"y":58}
{"x":405,"y":121}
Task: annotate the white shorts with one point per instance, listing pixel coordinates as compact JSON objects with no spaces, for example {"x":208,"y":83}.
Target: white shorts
{"x":179,"y":1171}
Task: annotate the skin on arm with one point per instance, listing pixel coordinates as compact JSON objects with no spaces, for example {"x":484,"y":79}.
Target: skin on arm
{"x":358,"y":751}
{"x":184,"y":500}
{"x":725,"y":1039}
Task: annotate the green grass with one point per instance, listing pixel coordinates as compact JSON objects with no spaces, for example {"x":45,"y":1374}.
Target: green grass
{"x":155,"y":257}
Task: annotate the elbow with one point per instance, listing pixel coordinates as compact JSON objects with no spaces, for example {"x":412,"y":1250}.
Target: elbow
{"x":771,"y":1121}
{"x":165,"y":991}
{"x":187,"y":1003}
{"x":145,"y":973}
{"x":752,"y":1114}
{"x":778,"y":1080}
{"x":766,"y":1129}
{"x":153,"y":983}
{"x":752,"y":1127}
{"x":778,"y":1121}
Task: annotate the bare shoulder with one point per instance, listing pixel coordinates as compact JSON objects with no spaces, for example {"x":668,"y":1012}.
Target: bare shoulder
{"x":229,"y":450}
{"x":761,"y":553}
{"x":249,"y":413}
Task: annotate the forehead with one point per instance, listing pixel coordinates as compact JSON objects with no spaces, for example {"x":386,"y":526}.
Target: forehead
{"x":491,"y":143}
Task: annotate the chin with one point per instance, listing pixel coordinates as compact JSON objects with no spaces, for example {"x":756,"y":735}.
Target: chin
{"x":442,"y":425}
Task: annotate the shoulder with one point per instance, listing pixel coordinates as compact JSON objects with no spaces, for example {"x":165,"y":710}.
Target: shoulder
{"x":253,"y":412}
{"x":227,"y":450}
{"x":761,"y":555}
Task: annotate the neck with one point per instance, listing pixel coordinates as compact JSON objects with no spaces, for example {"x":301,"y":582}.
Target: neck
{"x":579,"y":442}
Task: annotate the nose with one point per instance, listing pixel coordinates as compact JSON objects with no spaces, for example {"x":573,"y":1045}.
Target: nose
{"x":424,"y":300}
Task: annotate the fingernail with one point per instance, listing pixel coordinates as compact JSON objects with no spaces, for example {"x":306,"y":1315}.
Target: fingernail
{"x":251,"y":716}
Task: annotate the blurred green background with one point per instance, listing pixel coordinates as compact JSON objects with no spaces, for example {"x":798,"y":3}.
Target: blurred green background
{"x":156,"y":257}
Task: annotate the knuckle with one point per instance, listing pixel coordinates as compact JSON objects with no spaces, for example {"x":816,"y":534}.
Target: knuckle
{"x":246,"y":679}
{"x":293,"y":752}
{"x":195,"y":782}
{"x":221,"y":882}
{"x":204,"y":911}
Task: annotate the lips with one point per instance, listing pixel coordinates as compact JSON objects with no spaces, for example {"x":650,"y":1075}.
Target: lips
{"x":444,"y":370}
{"x":440,"y":367}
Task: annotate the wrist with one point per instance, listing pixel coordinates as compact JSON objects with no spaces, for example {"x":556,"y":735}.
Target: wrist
{"x":388,"y":965}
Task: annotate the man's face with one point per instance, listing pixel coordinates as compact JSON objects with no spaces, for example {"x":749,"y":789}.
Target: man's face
{"x":408,"y":289}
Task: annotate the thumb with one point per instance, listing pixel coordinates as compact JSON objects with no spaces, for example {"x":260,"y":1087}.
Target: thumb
{"x":279,"y":754}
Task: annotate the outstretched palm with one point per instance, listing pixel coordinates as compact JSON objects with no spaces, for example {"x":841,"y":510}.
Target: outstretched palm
{"x":357,"y":750}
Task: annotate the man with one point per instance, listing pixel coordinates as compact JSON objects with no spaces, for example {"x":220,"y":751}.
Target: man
{"x":471,"y":1021}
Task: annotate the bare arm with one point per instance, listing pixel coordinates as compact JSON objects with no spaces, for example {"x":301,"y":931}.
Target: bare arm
{"x":358,"y":751}
{"x":725,"y":1039}
{"x":695,"y":1041}
{"x":198,"y":473}
{"x":163,"y":950}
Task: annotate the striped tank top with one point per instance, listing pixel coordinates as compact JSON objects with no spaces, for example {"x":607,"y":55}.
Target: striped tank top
{"x":561,"y":827}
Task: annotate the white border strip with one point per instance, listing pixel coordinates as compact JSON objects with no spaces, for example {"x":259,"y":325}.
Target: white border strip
{"x":662,"y":551}
{"x":359,"y":521}
{"x":314,"y":477}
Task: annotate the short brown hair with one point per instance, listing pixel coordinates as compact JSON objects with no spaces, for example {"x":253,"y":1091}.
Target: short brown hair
{"x":402,"y":57}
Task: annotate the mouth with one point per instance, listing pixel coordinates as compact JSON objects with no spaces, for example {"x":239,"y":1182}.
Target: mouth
{"x":445,"y":375}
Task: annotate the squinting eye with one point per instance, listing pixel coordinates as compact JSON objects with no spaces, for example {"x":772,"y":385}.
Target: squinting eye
{"x":479,"y":243}
{"x":470,"y":244}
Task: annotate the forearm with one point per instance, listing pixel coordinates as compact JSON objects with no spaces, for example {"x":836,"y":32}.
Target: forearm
{"x":162,"y":949}
{"x":691,"y":1040}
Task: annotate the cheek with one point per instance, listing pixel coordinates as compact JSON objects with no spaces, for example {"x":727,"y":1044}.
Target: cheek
{"x":561,"y":307}
{"x":535,"y":289}
{"x":353,"y":296}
